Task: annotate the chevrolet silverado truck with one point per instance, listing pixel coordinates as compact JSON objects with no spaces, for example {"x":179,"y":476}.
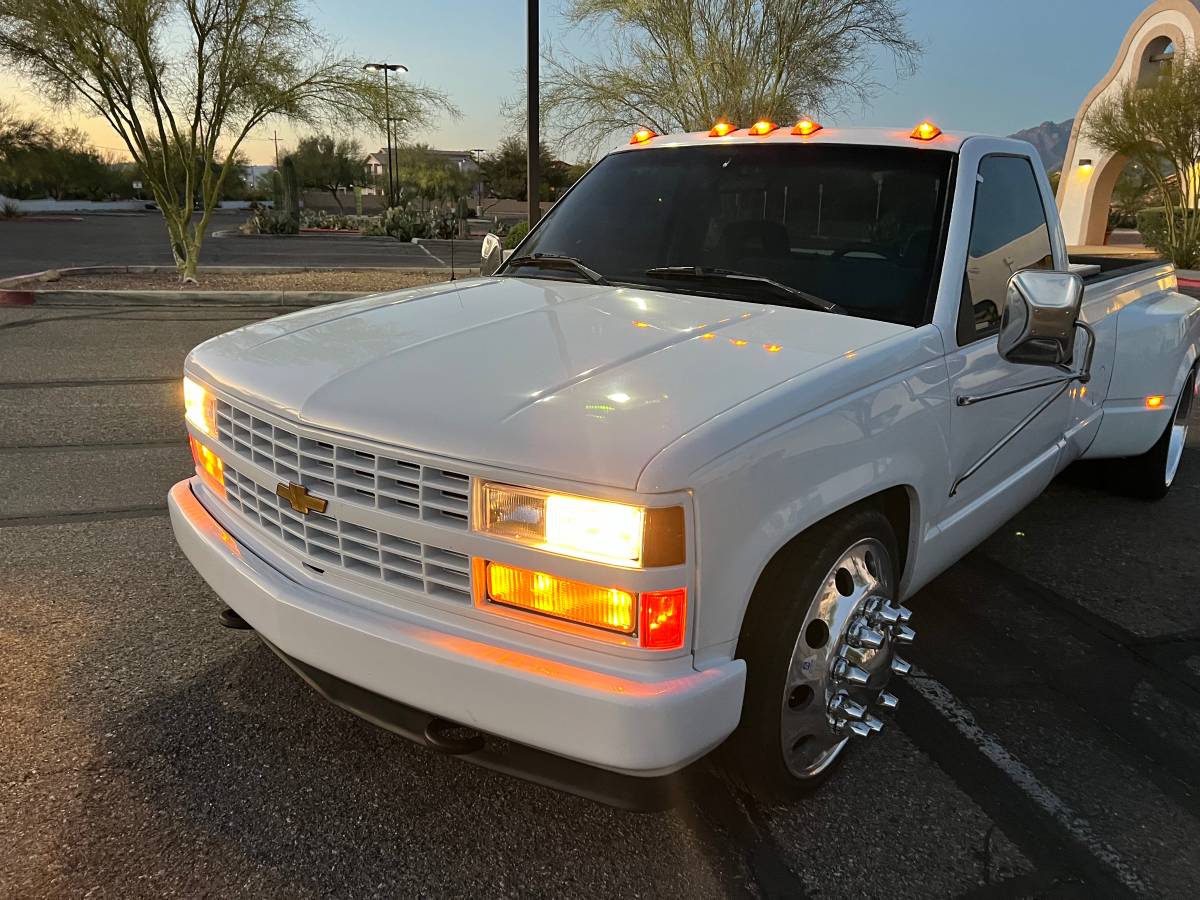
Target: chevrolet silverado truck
{"x":661,"y":480}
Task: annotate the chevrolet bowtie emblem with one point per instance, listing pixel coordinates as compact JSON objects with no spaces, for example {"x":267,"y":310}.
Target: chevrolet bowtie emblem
{"x":300,"y":499}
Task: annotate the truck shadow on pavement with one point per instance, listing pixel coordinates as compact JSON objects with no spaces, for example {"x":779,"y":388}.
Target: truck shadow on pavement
{"x":297,"y":796}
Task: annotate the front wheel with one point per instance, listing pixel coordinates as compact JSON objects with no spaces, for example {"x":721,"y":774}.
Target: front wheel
{"x":1151,"y":475}
{"x":819,"y":643}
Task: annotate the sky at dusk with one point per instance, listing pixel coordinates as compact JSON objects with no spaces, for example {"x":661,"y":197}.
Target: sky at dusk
{"x":986,"y":66}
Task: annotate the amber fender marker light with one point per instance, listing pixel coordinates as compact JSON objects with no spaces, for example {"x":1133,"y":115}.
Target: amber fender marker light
{"x":926,"y":131}
{"x":762,"y":127}
{"x":1155,"y":401}
{"x":642,"y":135}
{"x":722,"y":128}
{"x":805,"y":127}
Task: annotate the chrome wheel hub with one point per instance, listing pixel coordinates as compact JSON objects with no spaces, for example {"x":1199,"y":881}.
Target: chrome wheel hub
{"x":843,"y":660}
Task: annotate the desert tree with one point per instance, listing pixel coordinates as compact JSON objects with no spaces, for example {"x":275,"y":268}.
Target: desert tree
{"x":678,"y":65}
{"x":330,"y":164}
{"x":184,"y":79}
{"x":1156,"y":123}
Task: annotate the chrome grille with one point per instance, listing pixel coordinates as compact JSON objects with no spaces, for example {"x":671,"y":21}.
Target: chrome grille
{"x":389,"y":483}
{"x":392,"y":484}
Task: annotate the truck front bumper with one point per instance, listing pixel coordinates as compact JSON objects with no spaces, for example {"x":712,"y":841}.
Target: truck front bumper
{"x":613,"y":739}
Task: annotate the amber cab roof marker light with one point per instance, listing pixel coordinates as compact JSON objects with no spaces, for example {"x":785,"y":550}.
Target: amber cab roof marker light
{"x":722,"y":128}
{"x":805,"y":127}
{"x":642,"y":135}
{"x":926,"y":131}
{"x":762,"y":127}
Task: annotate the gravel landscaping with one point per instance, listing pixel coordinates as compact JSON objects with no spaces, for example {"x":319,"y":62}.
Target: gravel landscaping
{"x":331,"y":280}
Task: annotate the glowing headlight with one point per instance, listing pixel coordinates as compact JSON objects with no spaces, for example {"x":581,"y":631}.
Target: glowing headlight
{"x":588,"y":529}
{"x":200,"y":407}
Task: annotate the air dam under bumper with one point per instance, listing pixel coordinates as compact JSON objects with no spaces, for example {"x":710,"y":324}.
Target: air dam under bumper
{"x":633,"y":728}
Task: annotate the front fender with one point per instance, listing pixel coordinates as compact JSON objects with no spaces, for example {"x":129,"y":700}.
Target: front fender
{"x":756,"y":496}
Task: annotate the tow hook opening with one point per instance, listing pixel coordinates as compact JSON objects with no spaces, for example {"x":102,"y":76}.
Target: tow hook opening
{"x":451,"y":738}
{"x":230,"y":619}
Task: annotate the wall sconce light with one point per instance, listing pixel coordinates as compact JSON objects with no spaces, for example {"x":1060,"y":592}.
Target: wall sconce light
{"x":1085,"y":165}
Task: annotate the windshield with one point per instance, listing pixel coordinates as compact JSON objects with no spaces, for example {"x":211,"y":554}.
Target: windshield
{"x":858,"y":226}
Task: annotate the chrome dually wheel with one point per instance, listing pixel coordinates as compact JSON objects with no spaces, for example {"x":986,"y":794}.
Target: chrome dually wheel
{"x":1177,"y":439}
{"x":843,"y":659}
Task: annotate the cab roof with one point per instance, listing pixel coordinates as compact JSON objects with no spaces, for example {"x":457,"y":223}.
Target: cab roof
{"x":869,"y":137}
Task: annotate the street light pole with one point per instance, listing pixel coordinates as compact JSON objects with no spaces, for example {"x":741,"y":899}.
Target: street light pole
{"x":387,"y":120}
{"x":387,"y":115}
{"x":534,"y":142}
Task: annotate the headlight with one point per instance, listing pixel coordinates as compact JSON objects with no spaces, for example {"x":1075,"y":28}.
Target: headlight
{"x":599,"y":530}
{"x":200,"y":407}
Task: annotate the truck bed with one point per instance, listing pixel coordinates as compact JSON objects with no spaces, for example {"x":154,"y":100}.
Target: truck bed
{"x":1096,"y":268}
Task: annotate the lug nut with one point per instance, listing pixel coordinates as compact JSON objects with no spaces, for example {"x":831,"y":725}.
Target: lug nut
{"x":865,"y":636}
{"x":885,"y":615}
{"x":842,"y":707}
{"x":904,"y":635}
{"x":843,"y":671}
{"x":861,"y":729}
{"x":855,"y":655}
{"x":900,"y":666}
{"x":887,"y":701}
{"x":876,"y":725}
{"x":905,"y":613}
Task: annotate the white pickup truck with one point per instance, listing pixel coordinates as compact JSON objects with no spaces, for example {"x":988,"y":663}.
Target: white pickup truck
{"x":661,"y":480}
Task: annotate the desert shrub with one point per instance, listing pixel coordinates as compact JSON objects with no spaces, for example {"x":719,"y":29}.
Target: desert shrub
{"x":1171,"y":242}
{"x":10,"y":210}
{"x":515,"y":235}
{"x":269,"y":221}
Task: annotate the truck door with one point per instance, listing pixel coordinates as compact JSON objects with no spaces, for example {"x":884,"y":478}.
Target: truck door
{"x":1009,"y":233}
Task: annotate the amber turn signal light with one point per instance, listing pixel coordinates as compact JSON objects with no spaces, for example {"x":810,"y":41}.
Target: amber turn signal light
{"x":208,"y":464}
{"x":658,"y":617}
{"x":588,"y":604}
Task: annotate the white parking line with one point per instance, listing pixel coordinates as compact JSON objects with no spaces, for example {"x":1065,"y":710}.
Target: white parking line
{"x":431,"y":256}
{"x":1022,"y":776}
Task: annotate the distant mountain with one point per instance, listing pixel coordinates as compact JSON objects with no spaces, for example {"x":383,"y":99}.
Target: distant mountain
{"x":1051,"y":140}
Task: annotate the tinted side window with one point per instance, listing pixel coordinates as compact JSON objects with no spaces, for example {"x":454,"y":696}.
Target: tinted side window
{"x":1008,"y":234}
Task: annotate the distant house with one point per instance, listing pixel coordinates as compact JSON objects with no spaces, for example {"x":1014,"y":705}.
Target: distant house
{"x":376,"y":164}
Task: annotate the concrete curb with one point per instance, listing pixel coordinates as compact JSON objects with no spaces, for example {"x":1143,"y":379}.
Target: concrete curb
{"x":326,"y":235}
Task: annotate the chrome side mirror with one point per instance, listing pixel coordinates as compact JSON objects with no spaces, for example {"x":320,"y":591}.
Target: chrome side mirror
{"x":1040,"y":313}
{"x":491,"y":255}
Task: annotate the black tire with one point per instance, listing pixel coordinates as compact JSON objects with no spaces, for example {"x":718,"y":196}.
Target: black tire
{"x":1147,"y":477}
{"x":778,"y":610}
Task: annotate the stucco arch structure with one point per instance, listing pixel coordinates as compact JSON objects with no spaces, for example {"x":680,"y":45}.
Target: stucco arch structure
{"x":1085,"y":189}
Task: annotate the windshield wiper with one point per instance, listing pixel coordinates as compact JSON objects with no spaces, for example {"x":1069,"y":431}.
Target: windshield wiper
{"x":705,"y":273}
{"x":552,"y":261}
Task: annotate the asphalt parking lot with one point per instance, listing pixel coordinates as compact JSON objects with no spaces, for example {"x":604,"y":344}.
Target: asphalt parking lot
{"x":1048,"y":746}
{"x":33,"y":244}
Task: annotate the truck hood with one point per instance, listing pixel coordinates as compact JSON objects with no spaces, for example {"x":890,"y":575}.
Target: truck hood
{"x":570,"y":380}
